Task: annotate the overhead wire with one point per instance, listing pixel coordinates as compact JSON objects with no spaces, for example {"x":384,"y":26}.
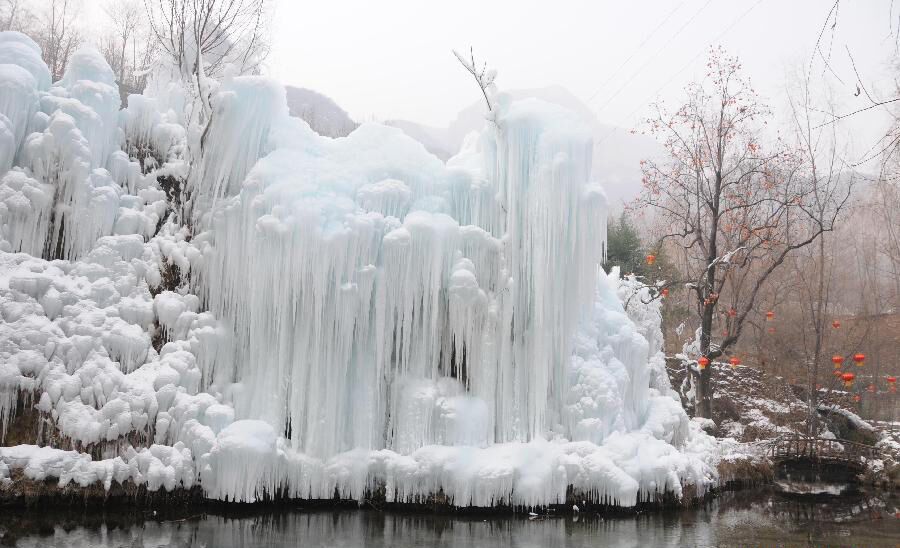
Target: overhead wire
{"x":654,"y":56}
{"x":636,"y":50}
{"x":646,"y":101}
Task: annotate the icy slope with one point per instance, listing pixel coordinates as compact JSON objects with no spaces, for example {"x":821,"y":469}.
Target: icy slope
{"x":321,"y":315}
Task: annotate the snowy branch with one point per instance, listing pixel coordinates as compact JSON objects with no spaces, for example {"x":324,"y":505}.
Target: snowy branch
{"x":484,"y":76}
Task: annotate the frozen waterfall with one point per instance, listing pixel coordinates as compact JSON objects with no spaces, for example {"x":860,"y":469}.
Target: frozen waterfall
{"x":342,"y":316}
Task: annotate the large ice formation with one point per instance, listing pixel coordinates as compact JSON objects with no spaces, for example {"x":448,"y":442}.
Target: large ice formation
{"x":307,"y":316}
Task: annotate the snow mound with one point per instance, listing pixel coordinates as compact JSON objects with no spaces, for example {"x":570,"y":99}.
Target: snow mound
{"x":18,"y":49}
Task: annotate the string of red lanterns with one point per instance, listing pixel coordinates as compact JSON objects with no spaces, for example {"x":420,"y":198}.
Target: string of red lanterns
{"x":848,"y":378}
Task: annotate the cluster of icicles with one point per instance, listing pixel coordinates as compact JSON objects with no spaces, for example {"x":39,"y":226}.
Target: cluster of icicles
{"x":384,"y":300}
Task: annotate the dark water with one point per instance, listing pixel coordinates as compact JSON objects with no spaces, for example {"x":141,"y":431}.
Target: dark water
{"x":755,"y":518}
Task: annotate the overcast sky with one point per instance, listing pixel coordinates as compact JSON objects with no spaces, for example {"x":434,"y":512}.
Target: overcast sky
{"x":391,"y":58}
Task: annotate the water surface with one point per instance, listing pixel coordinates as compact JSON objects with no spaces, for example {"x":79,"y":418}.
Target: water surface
{"x":757,"y":518}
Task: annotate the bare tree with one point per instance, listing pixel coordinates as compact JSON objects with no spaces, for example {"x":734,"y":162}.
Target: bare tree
{"x":829,"y":191}
{"x":737,"y":209}
{"x":58,"y":34}
{"x":201,"y":37}
{"x":126,"y":18}
{"x":16,"y":15}
{"x":889,"y":143}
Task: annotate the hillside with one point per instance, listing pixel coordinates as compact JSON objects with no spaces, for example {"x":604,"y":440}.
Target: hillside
{"x":753,"y":407}
{"x":322,"y":114}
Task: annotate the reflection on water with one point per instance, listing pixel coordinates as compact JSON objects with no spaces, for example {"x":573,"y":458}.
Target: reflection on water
{"x":744,"y":518}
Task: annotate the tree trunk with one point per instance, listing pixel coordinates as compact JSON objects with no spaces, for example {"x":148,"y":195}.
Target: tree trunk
{"x":703,"y":406}
{"x":704,"y":386}
{"x":819,"y":327}
{"x":122,"y":64}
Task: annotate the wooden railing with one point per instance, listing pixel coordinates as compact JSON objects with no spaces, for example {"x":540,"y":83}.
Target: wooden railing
{"x":822,"y":448}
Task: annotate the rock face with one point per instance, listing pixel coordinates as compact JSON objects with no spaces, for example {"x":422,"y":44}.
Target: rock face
{"x":848,"y":426}
{"x":322,"y":114}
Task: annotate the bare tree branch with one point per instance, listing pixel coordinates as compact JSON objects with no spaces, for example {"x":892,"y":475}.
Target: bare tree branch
{"x":484,"y":77}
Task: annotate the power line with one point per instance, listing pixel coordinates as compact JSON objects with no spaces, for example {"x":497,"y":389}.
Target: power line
{"x":636,"y":50}
{"x":644,"y":103}
{"x":655,"y":55}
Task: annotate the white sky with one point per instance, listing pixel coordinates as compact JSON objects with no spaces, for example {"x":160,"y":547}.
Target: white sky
{"x":383,"y":59}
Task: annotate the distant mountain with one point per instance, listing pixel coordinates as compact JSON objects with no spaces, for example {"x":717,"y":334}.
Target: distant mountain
{"x":322,"y":114}
{"x":617,"y":152}
{"x":433,"y":138}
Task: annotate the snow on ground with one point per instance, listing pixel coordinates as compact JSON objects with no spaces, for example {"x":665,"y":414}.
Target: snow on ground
{"x":748,"y":404}
{"x":857,"y":421}
{"x":308,"y":315}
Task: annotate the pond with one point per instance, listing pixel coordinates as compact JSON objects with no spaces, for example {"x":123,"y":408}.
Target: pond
{"x":746,"y":518}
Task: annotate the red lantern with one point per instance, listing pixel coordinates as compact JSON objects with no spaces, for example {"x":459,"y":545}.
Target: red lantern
{"x":770,"y":316}
{"x":891,"y":380}
{"x":665,"y":292}
{"x":848,"y":379}
{"x":856,"y":398}
{"x":732,"y":312}
{"x":836,"y":324}
{"x":651,"y":259}
{"x":837,"y":361}
{"x":859,"y":358}
{"x":703,"y":361}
